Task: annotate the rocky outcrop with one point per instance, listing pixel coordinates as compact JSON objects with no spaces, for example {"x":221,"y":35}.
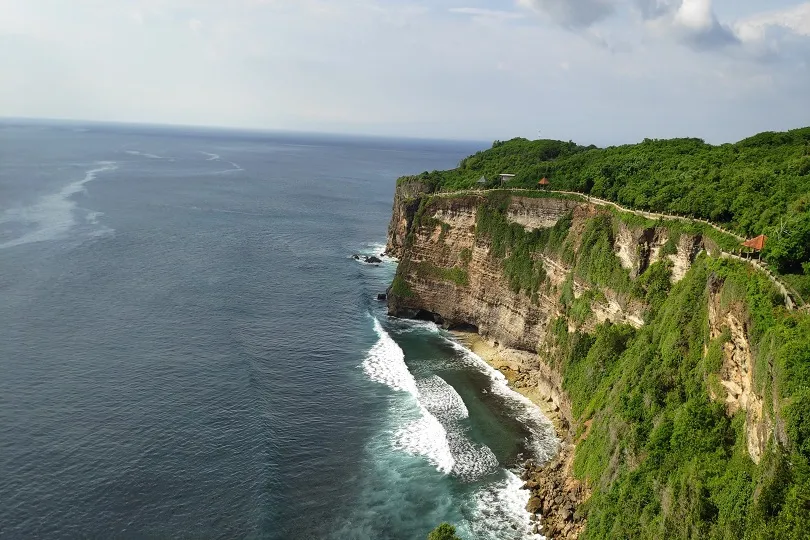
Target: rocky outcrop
{"x":408,"y":195}
{"x":637,"y":249}
{"x":527,"y":212}
{"x":556,"y":496}
{"x":729,"y":325}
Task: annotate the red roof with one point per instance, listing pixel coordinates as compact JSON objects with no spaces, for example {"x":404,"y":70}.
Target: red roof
{"x":756,"y":243}
{"x":544,"y":182}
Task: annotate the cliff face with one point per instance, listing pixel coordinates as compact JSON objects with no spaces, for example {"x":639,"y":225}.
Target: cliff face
{"x":483,"y":298}
{"x":591,"y":268}
{"x":407,"y":197}
{"x":485,"y":301}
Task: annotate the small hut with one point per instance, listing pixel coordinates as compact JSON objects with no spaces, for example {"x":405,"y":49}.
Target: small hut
{"x":544,"y":183}
{"x":506,"y":177}
{"x":481,"y":182}
{"x":755,"y":245}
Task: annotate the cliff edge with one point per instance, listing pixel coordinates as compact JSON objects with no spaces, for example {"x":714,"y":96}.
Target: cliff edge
{"x":627,"y":328}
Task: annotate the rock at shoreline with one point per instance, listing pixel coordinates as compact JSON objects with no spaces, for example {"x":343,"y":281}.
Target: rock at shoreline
{"x":368,"y":259}
{"x":382,"y":297}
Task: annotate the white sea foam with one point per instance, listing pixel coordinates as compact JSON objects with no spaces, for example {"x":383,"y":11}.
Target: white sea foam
{"x":500,"y":511}
{"x":441,"y":399}
{"x":52,"y":216}
{"x":92,"y":217}
{"x":211,"y":157}
{"x":425,"y":436}
{"x":235,"y":167}
{"x":544,"y":442}
{"x":407,"y":326}
{"x":144,"y":154}
{"x":472,"y":461}
{"x":385,"y":363}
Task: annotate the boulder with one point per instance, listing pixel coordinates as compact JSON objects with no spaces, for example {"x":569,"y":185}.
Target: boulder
{"x":534,"y":505}
{"x":373,"y":260}
{"x":382,"y":296}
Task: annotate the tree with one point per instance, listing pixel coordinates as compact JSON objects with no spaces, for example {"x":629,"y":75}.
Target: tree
{"x":445,"y":531}
{"x":791,"y":248}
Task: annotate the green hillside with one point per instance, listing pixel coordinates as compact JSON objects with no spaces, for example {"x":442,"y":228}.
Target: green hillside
{"x":760,"y":185}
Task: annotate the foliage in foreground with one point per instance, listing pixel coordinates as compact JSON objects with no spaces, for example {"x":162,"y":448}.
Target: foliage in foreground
{"x":445,"y":531}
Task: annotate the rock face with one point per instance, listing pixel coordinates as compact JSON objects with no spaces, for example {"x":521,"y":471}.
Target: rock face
{"x":513,"y":322}
{"x":638,"y":249}
{"x":486,"y":302}
{"x":737,"y":373}
{"x":407,"y":197}
{"x":450,"y":274}
{"x":556,"y":496}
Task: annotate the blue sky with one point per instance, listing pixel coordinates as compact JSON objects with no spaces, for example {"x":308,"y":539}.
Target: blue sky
{"x":595,"y":71}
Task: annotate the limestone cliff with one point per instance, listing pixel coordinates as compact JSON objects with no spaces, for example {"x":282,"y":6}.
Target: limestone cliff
{"x":458,"y":273}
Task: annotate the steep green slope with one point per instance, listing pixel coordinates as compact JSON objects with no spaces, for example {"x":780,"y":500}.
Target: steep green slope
{"x":664,"y":458}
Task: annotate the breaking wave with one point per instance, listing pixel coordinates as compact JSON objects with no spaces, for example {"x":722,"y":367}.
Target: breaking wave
{"x":543,"y":441}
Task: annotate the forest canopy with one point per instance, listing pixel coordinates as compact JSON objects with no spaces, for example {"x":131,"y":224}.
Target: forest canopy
{"x":759,"y":185}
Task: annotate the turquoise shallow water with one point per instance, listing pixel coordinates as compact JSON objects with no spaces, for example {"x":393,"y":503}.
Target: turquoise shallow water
{"x":189,"y":350}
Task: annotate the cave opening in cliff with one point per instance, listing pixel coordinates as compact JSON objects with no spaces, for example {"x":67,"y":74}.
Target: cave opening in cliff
{"x":425,"y":315}
{"x":464,"y":327}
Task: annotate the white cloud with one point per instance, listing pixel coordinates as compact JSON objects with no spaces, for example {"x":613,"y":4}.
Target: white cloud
{"x":692,"y":22}
{"x":408,"y":67}
{"x":795,"y":20}
{"x":487,"y":13}
{"x":572,"y":13}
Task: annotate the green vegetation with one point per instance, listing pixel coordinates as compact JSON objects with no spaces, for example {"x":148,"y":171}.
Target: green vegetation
{"x":663,"y":455}
{"x":455,"y":274}
{"x":445,"y":531}
{"x":663,"y":458}
{"x":749,"y":186}
{"x":401,"y":288}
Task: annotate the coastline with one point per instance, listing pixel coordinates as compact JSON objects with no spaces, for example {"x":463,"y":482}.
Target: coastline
{"x":555,"y":494}
{"x":505,"y":360}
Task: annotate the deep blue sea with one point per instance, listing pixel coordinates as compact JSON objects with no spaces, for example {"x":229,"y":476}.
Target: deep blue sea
{"x":189,"y":350}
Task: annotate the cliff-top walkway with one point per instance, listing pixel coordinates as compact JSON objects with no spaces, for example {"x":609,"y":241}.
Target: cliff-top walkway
{"x":792,"y":299}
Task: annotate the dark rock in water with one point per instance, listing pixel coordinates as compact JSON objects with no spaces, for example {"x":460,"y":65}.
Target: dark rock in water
{"x":382,"y":296}
{"x":373,"y":260}
{"x":356,"y":257}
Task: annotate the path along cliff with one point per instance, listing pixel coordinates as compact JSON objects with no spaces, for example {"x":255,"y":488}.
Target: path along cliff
{"x":559,"y":288}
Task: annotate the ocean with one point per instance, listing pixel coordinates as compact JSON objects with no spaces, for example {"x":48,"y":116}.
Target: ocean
{"x":188,"y":348}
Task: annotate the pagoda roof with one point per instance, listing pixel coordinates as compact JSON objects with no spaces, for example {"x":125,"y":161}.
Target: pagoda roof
{"x":756,"y":243}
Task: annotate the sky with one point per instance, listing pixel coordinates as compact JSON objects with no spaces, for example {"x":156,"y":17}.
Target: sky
{"x":593,"y":71}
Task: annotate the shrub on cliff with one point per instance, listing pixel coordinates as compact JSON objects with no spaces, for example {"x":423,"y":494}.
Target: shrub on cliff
{"x":445,"y":531}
